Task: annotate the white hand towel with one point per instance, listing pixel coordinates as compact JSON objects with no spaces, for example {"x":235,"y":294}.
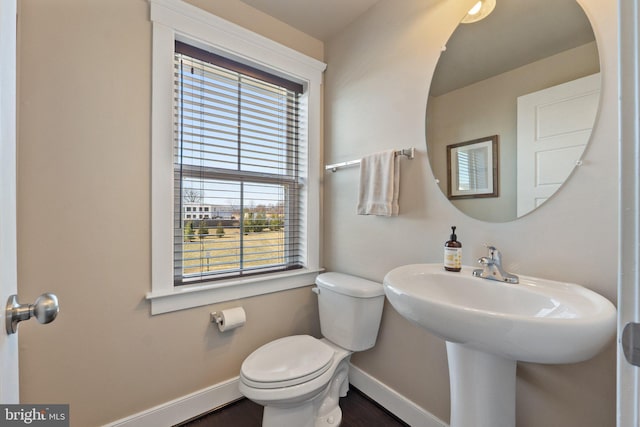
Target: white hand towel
{"x":379,"y":184}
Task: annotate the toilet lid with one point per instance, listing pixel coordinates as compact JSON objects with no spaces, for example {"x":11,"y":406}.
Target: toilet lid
{"x":287,"y":361}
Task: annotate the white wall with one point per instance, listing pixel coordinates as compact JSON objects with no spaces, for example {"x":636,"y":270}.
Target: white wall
{"x":376,"y":90}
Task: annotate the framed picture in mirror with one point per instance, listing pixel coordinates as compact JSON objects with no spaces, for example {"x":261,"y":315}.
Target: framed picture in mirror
{"x":472,"y":168}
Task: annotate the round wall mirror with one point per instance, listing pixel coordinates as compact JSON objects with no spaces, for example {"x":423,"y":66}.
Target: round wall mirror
{"x":512,"y":103}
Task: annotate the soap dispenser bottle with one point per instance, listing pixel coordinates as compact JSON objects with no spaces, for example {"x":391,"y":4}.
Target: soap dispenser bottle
{"x":453,"y":252}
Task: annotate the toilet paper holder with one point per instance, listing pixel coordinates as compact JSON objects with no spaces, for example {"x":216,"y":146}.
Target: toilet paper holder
{"x":228,"y":319}
{"x":216,"y":317}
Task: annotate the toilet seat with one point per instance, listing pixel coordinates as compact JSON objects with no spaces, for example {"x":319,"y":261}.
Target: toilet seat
{"x":286,"y":362}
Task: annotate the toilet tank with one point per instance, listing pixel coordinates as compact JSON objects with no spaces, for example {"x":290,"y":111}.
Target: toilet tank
{"x":350,"y":309}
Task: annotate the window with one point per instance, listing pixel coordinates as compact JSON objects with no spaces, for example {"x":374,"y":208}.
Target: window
{"x":236,"y":145}
{"x":236,"y":131}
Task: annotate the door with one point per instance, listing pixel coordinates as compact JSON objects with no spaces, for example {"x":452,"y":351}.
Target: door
{"x":553,"y":128}
{"x":628,"y":392}
{"x":8,"y":273}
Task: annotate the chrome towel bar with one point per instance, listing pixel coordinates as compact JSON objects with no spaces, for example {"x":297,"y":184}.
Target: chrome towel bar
{"x":410,"y":153}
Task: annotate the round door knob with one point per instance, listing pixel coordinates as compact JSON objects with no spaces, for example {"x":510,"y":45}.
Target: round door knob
{"x":46,"y":308}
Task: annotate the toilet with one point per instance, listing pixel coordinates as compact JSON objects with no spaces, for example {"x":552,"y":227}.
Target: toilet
{"x":299,"y":379}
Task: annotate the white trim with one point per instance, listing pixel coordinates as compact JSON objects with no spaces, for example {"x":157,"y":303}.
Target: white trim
{"x":184,"y":408}
{"x":392,"y":401}
{"x":199,"y":295}
{"x":202,"y":401}
{"x":175,"y":19}
{"x":233,"y":40}
{"x":628,"y":376}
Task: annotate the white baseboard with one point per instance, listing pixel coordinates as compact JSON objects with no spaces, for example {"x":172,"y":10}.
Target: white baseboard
{"x":392,"y":401}
{"x":185,"y":407}
{"x":199,"y":402}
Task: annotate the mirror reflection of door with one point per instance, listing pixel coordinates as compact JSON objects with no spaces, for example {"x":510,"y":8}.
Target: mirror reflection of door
{"x":554,"y":126}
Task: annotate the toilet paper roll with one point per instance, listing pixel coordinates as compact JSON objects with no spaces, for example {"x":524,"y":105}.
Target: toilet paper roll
{"x":231,"y":319}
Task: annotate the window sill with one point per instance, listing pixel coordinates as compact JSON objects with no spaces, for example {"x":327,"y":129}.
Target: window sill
{"x":204,"y":294}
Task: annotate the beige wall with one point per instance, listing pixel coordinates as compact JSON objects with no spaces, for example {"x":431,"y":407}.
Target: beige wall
{"x":83,"y":220}
{"x":376,"y":90}
{"x":489,"y":108}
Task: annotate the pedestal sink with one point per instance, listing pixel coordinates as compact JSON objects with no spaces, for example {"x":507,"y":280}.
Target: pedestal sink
{"x":489,"y":325}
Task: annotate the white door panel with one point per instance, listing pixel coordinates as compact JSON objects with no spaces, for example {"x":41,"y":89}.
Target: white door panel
{"x":554,"y":166}
{"x":576,"y":113}
{"x":553,"y":128}
{"x":8,"y":274}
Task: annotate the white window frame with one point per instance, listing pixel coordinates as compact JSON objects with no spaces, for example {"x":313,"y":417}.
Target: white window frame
{"x":176,"y":20}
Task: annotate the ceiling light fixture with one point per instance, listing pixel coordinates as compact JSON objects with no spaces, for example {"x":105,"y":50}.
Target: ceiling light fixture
{"x":479,"y":11}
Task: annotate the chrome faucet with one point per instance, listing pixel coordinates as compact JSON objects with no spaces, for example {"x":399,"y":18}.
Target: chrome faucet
{"x":492,"y":267}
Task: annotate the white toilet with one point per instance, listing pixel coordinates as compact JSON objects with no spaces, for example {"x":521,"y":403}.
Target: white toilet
{"x":299,"y":379}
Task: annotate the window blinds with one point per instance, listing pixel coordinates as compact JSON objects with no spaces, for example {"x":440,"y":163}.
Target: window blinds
{"x":236,"y":171}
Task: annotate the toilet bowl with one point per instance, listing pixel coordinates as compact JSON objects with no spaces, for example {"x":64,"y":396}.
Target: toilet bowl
{"x":300,"y":379}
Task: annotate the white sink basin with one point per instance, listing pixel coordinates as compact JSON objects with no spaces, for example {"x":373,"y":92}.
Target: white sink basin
{"x":489,"y":325}
{"x":536,"y":320}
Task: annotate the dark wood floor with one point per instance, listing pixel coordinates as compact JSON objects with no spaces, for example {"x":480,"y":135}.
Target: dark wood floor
{"x":357,"y":411}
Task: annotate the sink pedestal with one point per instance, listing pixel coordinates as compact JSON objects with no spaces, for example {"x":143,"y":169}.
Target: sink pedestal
{"x":483,"y":388}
